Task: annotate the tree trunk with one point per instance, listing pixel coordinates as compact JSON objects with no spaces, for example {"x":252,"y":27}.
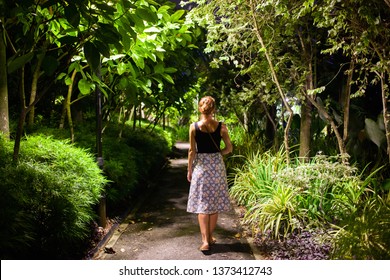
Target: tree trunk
{"x":306,"y":116}
{"x":347,"y":99}
{"x":305,"y":130}
{"x":4,"y":114}
{"x":34,"y":88}
{"x":270,"y":128}
{"x":386,"y":113}
{"x":134,"y":117}
{"x":276,"y":81}
{"x":19,"y":133}
{"x":339,"y":138}
{"x":22,"y":117}
{"x":68,"y":103}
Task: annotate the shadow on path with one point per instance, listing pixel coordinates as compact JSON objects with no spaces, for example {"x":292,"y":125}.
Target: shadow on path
{"x":161,"y":229}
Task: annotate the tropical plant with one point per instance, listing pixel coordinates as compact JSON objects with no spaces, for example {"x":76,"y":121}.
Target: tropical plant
{"x":364,"y":234}
{"x":285,"y":198}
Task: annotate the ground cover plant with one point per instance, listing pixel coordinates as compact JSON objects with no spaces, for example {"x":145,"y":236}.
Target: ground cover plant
{"x":290,"y":204}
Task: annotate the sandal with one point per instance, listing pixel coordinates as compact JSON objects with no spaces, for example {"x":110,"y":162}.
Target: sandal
{"x":204,"y":248}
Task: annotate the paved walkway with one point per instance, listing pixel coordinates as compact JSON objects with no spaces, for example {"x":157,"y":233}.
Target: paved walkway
{"x":161,"y":229}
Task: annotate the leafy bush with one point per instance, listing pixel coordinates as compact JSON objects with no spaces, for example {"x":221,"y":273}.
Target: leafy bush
{"x":47,"y":199}
{"x":284,"y":198}
{"x":121,"y":168}
{"x":327,"y":189}
{"x":365,"y":234}
{"x":152,"y":149}
{"x":128,"y":159}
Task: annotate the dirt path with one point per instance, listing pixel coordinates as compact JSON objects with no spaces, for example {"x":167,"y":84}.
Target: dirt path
{"x":161,"y":229}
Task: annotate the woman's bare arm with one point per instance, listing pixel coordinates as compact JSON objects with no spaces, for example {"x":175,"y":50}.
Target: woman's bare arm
{"x":226,"y":139}
{"x":191,"y":151}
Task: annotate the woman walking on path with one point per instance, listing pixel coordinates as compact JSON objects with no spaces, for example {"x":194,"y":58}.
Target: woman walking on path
{"x":208,"y":194}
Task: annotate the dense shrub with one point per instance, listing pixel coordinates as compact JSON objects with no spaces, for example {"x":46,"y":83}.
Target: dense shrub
{"x":323,"y":194}
{"x":365,"y":234}
{"x":129,"y":159}
{"x":47,"y":199}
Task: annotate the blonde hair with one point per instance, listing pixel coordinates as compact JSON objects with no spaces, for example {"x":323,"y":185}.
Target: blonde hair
{"x":206,"y":105}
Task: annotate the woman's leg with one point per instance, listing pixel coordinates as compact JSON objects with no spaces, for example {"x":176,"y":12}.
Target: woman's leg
{"x":213,"y":223}
{"x":204,"y":224}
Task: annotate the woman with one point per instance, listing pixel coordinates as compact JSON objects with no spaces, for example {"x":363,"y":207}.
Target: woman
{"x":206,"y":171}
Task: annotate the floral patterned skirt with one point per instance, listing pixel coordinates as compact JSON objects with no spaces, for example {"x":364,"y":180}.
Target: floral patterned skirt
{"x":208,"y":190}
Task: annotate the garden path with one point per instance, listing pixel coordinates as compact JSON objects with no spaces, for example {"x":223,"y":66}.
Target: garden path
{"x":161,"y":229}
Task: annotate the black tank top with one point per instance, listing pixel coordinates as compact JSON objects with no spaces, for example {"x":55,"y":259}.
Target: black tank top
{"x":203,"y":140}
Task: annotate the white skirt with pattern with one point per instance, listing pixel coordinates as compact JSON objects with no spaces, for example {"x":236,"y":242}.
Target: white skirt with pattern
{"x":209,"y":189}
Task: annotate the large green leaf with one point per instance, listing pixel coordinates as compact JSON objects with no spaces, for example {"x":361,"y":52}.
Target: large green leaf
{"x":86,"y":86}
{"x":108,"y":34}
{"x":126,"y":40}
{"x":374,"y":133}
{"x":170,"y":70}
{"x":72,"y":15}
{"x":92,"y":55}
{"x":15,"y":64}
{"x":68,"y":40}
{"x":168,"y":78}
{"x":133,"y":71}
{"x":103,"y":48}
{"x":139,"y":61}
{"x":147,"y":15}
{"x":137,"y":21}
{"x":159,"y":68}
{"x":122,"y":68}
{"x":177,"y":15}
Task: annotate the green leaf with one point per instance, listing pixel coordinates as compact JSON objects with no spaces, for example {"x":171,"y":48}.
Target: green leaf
{"x":374,"y":133}
{"x":132,"y":70}
{"x":153,"y":2}
{"x":152,"y":30}
{"x":122,"y":68}
{"x":19,"y":62}
{"x":72,"y":15}
{"x":108,"y":34}
{"x":103,"y":48}
{"x":68,"y":40}
{"x":139,"y":61}
{"x":159,"y":68}
{"x":133,"y":33}
{"x":168,"y":78}
{"x":92,"y":55}
{"x":86,"y":86}
{"x":177,"y":15}
{"x":68,"y":80}
{"x":138,"y":22}
{"x":170,"y":70}
{"x":147,"y":15}
{"x":123,"y":83}
{"x":108,"y":10}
